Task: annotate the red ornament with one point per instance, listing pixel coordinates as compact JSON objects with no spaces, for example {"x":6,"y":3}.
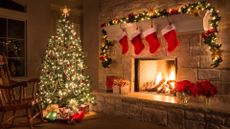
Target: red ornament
{"x":77,"y":117}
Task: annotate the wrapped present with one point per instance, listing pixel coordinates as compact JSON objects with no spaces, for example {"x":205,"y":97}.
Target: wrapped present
{"x":84,"y":108}
{"x":116,"y":89}
{"x":121,"y":86}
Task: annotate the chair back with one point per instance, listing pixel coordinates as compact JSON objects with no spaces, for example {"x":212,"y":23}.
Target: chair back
{"x":10,"y":94}
{"x":5,"y":75}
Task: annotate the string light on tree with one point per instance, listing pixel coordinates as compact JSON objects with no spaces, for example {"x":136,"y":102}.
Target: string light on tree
{"x":63,"y":81}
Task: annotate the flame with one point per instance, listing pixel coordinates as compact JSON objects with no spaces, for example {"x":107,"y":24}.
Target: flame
{"x":169,"y":78}
{"x":158,"y":78}
{"x":172,"y":76}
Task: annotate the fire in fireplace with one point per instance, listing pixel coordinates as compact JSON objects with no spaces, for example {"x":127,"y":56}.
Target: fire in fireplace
{"x":155,"y":75}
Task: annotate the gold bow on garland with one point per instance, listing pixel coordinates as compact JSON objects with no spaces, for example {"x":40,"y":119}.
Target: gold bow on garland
{"x":209,"y":37}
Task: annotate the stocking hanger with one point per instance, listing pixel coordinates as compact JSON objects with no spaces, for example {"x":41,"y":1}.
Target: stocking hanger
{"x":170,"y":23}
{"x":137,"y":27}
{"x":151,"y":23}
{"x":122,"y":28}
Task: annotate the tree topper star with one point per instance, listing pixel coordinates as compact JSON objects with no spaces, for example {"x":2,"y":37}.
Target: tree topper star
{"x":65,"y":11}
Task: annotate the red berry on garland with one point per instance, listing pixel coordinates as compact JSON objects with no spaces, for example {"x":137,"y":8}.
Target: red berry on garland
{"x":103,"y":25}
{"x":102,"y":58}
{"x":173,"y":11}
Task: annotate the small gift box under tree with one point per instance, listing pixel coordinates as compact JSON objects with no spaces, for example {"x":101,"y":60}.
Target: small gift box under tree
{"x":121,"y":86}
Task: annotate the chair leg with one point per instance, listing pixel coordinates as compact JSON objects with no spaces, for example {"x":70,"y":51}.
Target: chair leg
{"x":40,"y":111}
{"x":2,"y":120}
{"x":14,"y":112}
{"x":29,"y":118}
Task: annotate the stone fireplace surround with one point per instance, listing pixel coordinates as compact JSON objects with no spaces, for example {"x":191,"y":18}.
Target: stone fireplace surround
{"x":193,"y":63}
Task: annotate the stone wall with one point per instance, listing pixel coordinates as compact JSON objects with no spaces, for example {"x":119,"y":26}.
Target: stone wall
{"x":193,"y":56}
{"x":172,"y":115}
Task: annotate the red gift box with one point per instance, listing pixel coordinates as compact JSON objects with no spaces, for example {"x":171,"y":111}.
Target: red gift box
{"x":109,"y":83}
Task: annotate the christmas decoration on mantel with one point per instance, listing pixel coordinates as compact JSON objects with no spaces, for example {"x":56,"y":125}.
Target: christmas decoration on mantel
{"x":209,"y":36}
{"x":64,"y":88}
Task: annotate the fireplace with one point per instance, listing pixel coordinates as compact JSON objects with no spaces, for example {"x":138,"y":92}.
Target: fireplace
{"x":155,"y":75}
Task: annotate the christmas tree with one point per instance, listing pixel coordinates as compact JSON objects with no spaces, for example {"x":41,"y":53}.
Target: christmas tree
{"x":62,"y":80}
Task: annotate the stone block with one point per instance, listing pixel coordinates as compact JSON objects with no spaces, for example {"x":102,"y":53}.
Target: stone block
{"x":195,"y":40}
{"x":215,"y":119}
{"x":190,"y":124}
{"x":210,"y":74}
{"x":188,"y":62}
{"x":135,"y":112}
{"x":224,"y":39}
{"x":100,"y":98}
{"x":191,"y":115}
{"x":108,"y":109}
{"x":97,"y":107}
{"x":223,"y":88}
{"x":225,"y":75}
{"x":187,"y":74}
{"x":198,"y":51}
{"x":176,"y":119}
{"x":212,"y":126}
{"x":205,"y":61}
{"x":112,"y":101}
{"x":154,"y":115}
{"x":226,"y":61}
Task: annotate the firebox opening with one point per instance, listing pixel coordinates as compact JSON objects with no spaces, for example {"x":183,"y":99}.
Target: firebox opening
{"x":155,"y":75}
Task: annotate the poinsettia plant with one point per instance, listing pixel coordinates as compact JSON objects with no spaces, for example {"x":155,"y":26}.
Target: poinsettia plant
{"x":205,"y":88}
{"x":184,"y":86}
{"x":200,"y":88}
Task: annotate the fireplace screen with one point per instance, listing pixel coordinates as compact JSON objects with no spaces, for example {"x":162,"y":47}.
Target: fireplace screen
{"x":155,"y":75}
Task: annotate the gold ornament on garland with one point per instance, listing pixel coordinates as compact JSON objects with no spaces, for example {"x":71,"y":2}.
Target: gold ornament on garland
{"x":209,"y":37}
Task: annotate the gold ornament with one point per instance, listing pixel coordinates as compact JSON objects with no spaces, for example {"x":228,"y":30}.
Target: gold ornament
{"x":196,"y":13}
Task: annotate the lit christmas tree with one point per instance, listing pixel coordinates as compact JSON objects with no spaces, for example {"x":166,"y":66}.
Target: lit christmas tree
{"x":62,"y":79}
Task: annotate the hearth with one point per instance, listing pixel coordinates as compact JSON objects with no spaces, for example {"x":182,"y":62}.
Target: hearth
{"x":155,"y":75}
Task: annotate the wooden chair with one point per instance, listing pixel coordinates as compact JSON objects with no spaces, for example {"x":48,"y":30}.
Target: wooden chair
{"x":20,"y":96}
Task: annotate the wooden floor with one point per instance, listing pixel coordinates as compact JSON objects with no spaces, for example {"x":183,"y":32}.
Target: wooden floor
{"x":99,"y":121}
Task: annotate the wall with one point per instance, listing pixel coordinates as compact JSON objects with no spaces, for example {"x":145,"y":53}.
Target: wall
{"x":90,"y":38}
{"x":193,"y":56}
{"x":38,"y":32}
{"x":38,"y":28}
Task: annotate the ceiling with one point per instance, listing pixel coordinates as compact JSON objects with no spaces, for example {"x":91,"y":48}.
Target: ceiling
{"x":75,"y":6}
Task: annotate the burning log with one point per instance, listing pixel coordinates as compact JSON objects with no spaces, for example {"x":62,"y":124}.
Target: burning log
{"x":162,"y":87}
{"x":169,"y":83}
{"x":157,"y":86}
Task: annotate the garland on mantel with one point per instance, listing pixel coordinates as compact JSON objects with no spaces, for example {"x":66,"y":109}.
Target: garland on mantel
{"x":209,"y":37}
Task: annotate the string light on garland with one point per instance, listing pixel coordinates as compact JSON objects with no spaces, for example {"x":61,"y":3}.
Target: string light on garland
{"x":209,"y":37}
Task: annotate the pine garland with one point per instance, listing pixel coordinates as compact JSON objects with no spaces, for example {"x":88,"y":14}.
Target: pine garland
{"x":209,"y":37}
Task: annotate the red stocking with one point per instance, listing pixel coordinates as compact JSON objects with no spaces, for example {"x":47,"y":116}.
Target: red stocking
{"x":169,"y":33}
{"x":137,"y":42}
{"x":151,"y":37}
{"x":124,"y":42}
